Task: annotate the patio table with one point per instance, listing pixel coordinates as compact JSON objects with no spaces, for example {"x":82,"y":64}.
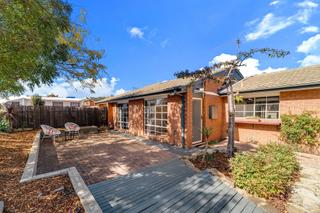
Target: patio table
{"x":68,"y":135}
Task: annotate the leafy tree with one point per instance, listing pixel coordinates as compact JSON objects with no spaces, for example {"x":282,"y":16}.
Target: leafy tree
{"x":39,"y":43}
{"x":227,"y":81}
{"x":37,"y":100}
{"x":52,"y":95}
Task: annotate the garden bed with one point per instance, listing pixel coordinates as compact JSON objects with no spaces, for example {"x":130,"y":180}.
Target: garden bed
{"x":54,"y":194}
{"x":217,"y":160}
{"x":268,"y":173}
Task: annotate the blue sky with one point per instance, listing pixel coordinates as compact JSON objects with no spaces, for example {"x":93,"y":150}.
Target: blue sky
{"x":147,"y":41}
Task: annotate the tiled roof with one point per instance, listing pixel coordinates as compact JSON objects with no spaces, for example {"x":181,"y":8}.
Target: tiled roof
{"x":151,"y":89}
{"x":299,"y":77}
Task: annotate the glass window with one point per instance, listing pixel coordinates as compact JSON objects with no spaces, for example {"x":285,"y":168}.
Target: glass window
{"x":261,"y":100}
{"x":122,"y":116}
{"x":156,"y":117}
{"x":248,"y":114}
{"x":239,"y":107}
{"x":239,"y":114}
{"x":260,"y":107}
{"x":57,"y":103}
{"x":212,"y":112}
{"x":75,"y":104}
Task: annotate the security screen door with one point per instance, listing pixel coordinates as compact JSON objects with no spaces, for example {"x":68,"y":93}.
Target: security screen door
{"x":196,"y":120}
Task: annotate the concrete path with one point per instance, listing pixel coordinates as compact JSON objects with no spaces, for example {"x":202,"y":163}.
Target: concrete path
{"x":306,"y":192}
{"x":169,"y":187}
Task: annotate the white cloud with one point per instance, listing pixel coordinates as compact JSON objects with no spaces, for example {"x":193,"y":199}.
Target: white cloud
{"x":309,"y":29}
{"x":251,"y":65}
{"x":310,"y":60}
{"x":303,"y":15}
{"x":252,"y":68}
{"x":274,"y":3}
{"x":252,"y":22}
{"x":136,"y":32}
{"x":269,"y":25}
{"x":222,"y":58}
{"x":119,"y":91}
{"x":307,"y":4}
{"x":164,"y":43}
{"x":311,"y":45}
{"x":104,"y":87}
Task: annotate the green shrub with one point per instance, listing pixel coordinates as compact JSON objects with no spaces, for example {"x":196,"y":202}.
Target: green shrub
{"x":266,"y":173}
{"x":300,"y":129}
{"x":4,"y":125}
{"x":37,"y":100}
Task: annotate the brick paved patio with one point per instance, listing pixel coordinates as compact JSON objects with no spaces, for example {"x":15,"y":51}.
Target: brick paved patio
{"x":100,"y":156}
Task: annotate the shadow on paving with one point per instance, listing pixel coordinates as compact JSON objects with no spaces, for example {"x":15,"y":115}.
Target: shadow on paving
{"x":99,"y":156}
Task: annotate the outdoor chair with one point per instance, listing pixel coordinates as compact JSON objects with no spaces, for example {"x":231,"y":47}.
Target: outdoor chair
{"x":49,"y":132}
{"x":72,"y":130}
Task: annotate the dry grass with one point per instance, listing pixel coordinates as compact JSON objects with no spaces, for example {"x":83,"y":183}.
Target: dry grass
{"x":36,"y":196}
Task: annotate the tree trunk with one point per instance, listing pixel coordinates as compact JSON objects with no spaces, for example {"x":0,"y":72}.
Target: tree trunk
{"x":205,"y":150}
{"x":231,"y":120}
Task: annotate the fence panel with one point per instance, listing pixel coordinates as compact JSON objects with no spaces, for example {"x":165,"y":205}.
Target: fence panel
{"x":33,"y":117}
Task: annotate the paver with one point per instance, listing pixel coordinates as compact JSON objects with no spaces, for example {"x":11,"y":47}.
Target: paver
{"x":306,"y":192}
{"x":99,"y":157}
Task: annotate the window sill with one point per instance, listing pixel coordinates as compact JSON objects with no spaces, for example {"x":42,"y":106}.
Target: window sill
{"x":275,"y":122}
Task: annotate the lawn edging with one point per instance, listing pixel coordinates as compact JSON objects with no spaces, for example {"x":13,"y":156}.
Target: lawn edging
{"x":29,"y":174}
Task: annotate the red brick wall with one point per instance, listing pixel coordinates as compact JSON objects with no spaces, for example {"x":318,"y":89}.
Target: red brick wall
{"x":217,"y":123}
{"x":136,"y":117}
{"x":296,"y":102}
{"x":174,"y":119}
{"x":256,"y":133}
{"x":293,"y":102}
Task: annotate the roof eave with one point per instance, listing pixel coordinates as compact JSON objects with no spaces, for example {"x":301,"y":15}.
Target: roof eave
{"x":276,"y":89}
{"x":171,"y":90}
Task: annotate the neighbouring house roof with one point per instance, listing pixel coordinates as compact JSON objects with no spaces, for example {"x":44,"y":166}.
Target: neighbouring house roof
{"x":281,"y":80}
{"x":93,"y":99}
{"x":46,"y":98}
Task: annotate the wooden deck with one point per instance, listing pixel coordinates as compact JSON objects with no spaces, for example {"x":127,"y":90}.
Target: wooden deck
{"x":169,"y":187}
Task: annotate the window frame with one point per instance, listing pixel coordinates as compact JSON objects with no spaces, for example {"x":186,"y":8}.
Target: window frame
{"x":156,"y":117}
{"x":123,"y":116}
{"x":264,"y":105}
{"x":212,"y":112}
{"x":72,"y":104}
{"x":57,"y":102}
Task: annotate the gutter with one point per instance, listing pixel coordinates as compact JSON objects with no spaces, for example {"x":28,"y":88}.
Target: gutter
{"x":315,"y":86}
{"x":171,"y":90}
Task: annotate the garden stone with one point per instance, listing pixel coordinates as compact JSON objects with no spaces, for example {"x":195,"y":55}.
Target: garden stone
{"x":39,"y":194}
{"x":59,"y":189}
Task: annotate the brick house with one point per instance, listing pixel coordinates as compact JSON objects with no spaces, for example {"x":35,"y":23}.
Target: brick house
{"x":268,"y":96}
{"x":174,"y":111}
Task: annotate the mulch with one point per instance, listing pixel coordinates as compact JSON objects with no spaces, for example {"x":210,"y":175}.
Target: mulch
{"x":54,"y":194}
{"x":217,"y":160}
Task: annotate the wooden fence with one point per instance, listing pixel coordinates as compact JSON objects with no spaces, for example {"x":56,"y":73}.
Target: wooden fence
{"x":33,"y":117}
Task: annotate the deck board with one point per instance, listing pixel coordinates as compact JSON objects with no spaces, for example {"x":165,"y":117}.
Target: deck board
{"x":169,"y":187}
